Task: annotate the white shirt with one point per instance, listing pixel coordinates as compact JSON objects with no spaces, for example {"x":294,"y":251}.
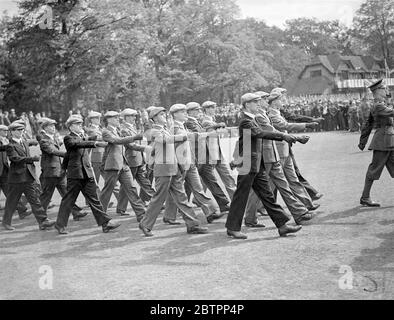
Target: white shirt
{"x":250,"y":114}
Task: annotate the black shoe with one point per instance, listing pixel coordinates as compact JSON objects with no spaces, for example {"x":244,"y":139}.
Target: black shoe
{"x":286,"y":229}
{"x":197,"y":230}
{"x":304,"y":218}
{"x":110,"y":205}
{"x":171,"y":222}
{"x":215,"y":216}
{"x":317,"y":196}
{"x":46,"y":224}
{"x":110,"y":225}
{"x":145,"y":230}
{"x":237,"y":235}
{"x":61,"y":230}
{"x":8,"y":227}
{"x":254,"y":225}
{"x":369,"y":203}
{"x":123,"y":213}
{"x":314,"y":207}
{"x":78,"y":215}
{"x":25,"y":214}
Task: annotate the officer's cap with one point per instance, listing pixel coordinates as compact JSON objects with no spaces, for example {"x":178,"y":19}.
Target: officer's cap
{"x":377,"y":85}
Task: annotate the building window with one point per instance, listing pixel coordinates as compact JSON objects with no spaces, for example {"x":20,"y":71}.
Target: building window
{"x":345,"y":75}
{"x":316,"y":73}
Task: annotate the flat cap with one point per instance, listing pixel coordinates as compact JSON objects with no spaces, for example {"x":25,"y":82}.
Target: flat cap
{"x":274,"y":96}
{"x":377,"y":85}
{"x":47,"y":122}
{"x":150,"y":108}
{"x":178,"y":107}
{"x":278,"y":90}
{"x":3,"y":127}
{"x":155,"y":111}
{"x":111,"y":114}
{"x":21,"y":121}
{"x":208,"y":104}
{"x":94,"y":114}
{"x":73,"y":119}
{"x":16,"y":125}
{"x":128,"y":112}
{"x":193,"y":106}
{"x":262,"y":94}
{"x":247,"y":97}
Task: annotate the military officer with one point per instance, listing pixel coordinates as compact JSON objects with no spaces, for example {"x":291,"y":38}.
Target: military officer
{"x":187,"y":164}
{"x":135,"y":159}
{"x":52,"y":174}
{"x":382,"y":142}
{"x":115,"y":166}
{"x":22,"y":179}
{"x":80,"y":177}
{"x":168,"y":177}
{"x":201,"y":152}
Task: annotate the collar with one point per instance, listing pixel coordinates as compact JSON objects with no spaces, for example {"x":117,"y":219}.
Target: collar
{"x":114,"y":129}
{"x":52,"y":136}
{"x":181,"y":124}
{"x":77,"y":134}
{"x":274,"y":111}
{"x":17,"y":140}
{"x":192,"y":118}
{"x":250,"y":115}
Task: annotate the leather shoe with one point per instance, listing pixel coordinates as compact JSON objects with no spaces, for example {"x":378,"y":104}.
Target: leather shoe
{"x":8,"y":227}
{"x":215,"y":216}
{"x":236,"y":235}
{"x":306,"y":217}
{"x":123,"y":213}
{"x":110,"y":225}
{"x":369,"y":203}
{"x":61,"y":230}
{"x":145,"y":230}
{"x":25,"y":214}
{"x":46,"y":224}
{"x":197,"y":230}
{"x":286,"y":229}
{"x":317,"y":196}
{"x":314,"y":207}
{"x":78,"y":215}
{"x":171,"y":222}
{"x":254,"y":225}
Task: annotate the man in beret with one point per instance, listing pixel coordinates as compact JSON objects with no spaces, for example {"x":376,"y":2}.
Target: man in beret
{"x":201,"y":152}
{"x":168,"y":177}
{"x":252,"y":174}
{"x":115,"y":165}
{"x":215,"y":147}
{"x":187,"y":163}
{"x":52,"y":174}
{"x":135,"y":159}
{"x":280,"y":124}
{"x":382,"y":144}
{"x":22,"y":179}
{"x":80,"y":178}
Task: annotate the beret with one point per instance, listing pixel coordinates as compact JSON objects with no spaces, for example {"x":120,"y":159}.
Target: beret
{"x":247,"y":97}
{"x":178,"y":107}
{"x":155,"y":111}
{"x":94,"y":114}
{"x":128,"y":112}
{"x":193,"y":106}
{"x":208,"y":104}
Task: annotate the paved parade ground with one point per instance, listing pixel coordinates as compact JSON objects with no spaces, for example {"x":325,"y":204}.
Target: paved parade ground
{"x":346,"y":253}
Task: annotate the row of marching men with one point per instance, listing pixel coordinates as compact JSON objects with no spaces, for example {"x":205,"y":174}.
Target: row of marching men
{"x":177,"y":162}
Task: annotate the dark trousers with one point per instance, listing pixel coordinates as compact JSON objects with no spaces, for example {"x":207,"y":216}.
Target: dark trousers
{"x":146,"y":190}
{"x":88,"y":187}
{"x":48,"y":186}
{"x":260,"y":184}
{"x":208,"y":177}
{"x":20,"y":207}
{"x":31,"y":189}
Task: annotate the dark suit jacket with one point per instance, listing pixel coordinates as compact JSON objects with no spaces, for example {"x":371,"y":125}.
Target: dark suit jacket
{"x":78,"y":158}
{"x":199,"y":145}
{"x":134,"y":151}
{"x":51,"y":163}
{"x":4,"y":165}
{"x":22,"y":168}
{"x":249,"y":148}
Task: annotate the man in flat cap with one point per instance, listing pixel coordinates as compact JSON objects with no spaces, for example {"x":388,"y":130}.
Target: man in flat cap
{"x":22,"y":179}
{"x":187,"y":163}
{"x":382,"y":144}
{"x":52,"y":174}
{"x":252,"y":174}
{"x":168,"y":177}
{"x":94,"y":129}
{"x":116,"y":167}
{"x":280,"y":124}
{"x":201,"y":152}
{"x":80,"y":178}
{"x":215,"y":147}
{"x":135,"y":158}
{"x":274,"y":170}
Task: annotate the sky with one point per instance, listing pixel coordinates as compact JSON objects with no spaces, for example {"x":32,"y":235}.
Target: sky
{"x":276,"y":12}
